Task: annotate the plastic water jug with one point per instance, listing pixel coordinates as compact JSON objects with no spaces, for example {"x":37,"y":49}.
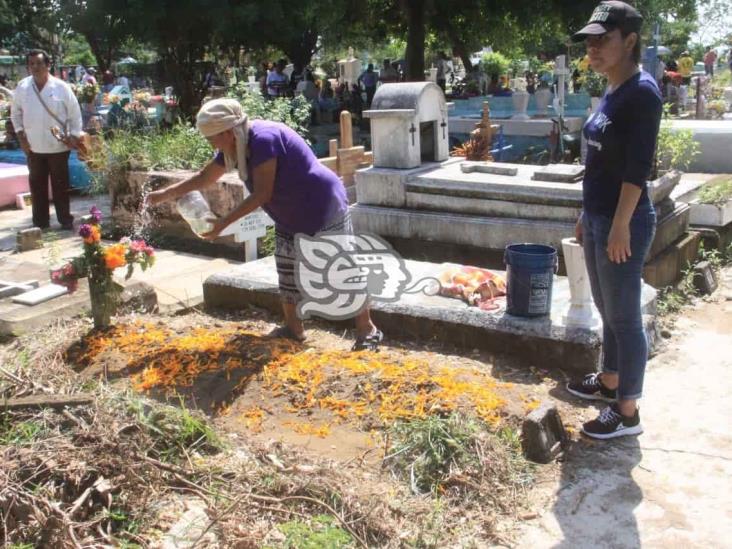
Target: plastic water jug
{"x":195,"y":210}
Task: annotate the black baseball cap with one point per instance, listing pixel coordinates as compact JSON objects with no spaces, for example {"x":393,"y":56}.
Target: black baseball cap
{"x":608,"y":16}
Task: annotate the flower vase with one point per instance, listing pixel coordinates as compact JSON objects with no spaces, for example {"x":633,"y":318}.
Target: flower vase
{"x":102,"y":303}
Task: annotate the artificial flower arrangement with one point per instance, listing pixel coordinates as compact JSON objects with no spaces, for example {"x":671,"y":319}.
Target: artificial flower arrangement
{"x":142,"y":97}
{"x":87,"y":93}
{"x":97,"y":264}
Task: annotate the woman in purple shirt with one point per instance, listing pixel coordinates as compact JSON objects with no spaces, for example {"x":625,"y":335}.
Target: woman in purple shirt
{"x":287,"y":181}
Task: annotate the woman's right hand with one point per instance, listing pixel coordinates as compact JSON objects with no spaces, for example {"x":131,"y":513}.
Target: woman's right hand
{"x":156,"y":197}
{"x":578,"y":229}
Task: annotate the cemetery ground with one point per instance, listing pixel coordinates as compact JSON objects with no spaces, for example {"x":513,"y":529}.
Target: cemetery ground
{"x":190,"y":429}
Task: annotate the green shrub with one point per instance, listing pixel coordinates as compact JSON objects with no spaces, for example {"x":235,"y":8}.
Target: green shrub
{"x":593,"y":83}
{"x":717,"y":191}
{"x":676,"y":148}
{"x":495,"y":64}
{"x":293,"y":112}
{"x":320,"y":533}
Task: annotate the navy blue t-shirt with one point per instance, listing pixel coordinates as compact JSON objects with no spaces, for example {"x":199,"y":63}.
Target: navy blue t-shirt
{"x":621,"y":141}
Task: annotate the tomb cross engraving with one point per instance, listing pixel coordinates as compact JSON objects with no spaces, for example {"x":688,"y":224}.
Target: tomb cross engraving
{"x":412,"y":130}
{"x":443,"y":125}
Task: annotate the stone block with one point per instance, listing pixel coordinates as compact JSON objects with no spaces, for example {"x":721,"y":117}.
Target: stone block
{"x":474,"y":230}
{"x":488,"y":167}
{"x":666,"y":268}
{"x":560,"y":173}
{"x":665,"y":207}
{"x":670,"y":228}
{"x":705,"y":279}
{"x":543,"y":434}
{"x":711,"y":215}
{"x":661,"y":188}
{"x":29,"y":239}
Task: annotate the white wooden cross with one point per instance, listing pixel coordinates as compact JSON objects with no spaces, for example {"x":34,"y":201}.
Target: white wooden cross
{"x":248,"y":229}
{"x":9,"y":289}
{"x":561,"y":71}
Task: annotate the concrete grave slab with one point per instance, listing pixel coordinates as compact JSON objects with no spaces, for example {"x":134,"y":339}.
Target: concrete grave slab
{"x":560,"y":173}
{"x":665,"y":269}
{"x":543,"y":341}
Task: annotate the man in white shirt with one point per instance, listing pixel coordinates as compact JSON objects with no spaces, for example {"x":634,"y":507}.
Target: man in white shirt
{"x":42,"y":102}
{"x":123,"y":81}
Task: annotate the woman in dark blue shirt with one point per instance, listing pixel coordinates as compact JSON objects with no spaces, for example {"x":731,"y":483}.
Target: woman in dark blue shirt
{"x":618,"y":220}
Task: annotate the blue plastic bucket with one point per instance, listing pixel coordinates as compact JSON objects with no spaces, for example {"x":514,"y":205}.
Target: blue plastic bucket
{"x":530,"y":270}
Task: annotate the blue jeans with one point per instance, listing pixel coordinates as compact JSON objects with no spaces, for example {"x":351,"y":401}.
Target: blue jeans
{"x":616,"y":290}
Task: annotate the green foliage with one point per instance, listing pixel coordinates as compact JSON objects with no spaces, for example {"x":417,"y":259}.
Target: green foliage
{"x":320,"y":533}
{"x":266,"y":244}
{"x":676,"y":148}
{"x":717,"y":191}
{"x":424,"y":451}
{"x":181,"y":147}
{"x":77,"y":51}
{"x":176,"y":431}
{"x":495,"y":64}
{"x":293,"y":112}
{"x":593,"y":83}
{"x":20,"y":434}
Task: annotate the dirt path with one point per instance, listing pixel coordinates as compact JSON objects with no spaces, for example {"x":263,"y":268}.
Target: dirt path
{"x":672,"y":486}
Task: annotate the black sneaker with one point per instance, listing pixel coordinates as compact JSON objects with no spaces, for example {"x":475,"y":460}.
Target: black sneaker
{"x":591,"y":388}
{"x":611,"y":424}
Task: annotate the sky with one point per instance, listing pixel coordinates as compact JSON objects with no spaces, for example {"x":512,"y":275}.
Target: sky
{"x":712,"y":29}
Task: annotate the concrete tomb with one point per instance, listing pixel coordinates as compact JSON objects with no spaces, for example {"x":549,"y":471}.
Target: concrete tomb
{"x":408,"y":125}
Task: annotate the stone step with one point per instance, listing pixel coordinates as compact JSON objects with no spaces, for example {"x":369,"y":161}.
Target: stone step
{"x":473,"y":230}
{"x":545,"y":342}
{"x":666,"y":269}
{"x":670,"y":228}
{"x":490,"y":208}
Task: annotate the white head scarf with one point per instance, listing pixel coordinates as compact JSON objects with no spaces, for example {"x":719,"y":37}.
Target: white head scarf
{"x":219,"y":115}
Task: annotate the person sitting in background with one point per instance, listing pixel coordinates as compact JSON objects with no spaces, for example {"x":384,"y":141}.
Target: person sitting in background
{"x":123,"y":81}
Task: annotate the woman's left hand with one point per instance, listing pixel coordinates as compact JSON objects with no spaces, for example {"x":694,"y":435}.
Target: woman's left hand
{"x":618,"y":243}
{"x":218,"y":225}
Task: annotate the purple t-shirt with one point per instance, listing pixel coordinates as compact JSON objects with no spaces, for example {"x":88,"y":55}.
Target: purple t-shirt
{"x":307,"y":196}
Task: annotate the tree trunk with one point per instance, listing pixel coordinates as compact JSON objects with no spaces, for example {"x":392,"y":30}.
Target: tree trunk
{"x":301,"y":52}
{"x":414,"y":11}
{"x":459,"y":49}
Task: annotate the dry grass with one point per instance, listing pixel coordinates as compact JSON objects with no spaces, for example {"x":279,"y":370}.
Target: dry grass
{"x":106,"y":474}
